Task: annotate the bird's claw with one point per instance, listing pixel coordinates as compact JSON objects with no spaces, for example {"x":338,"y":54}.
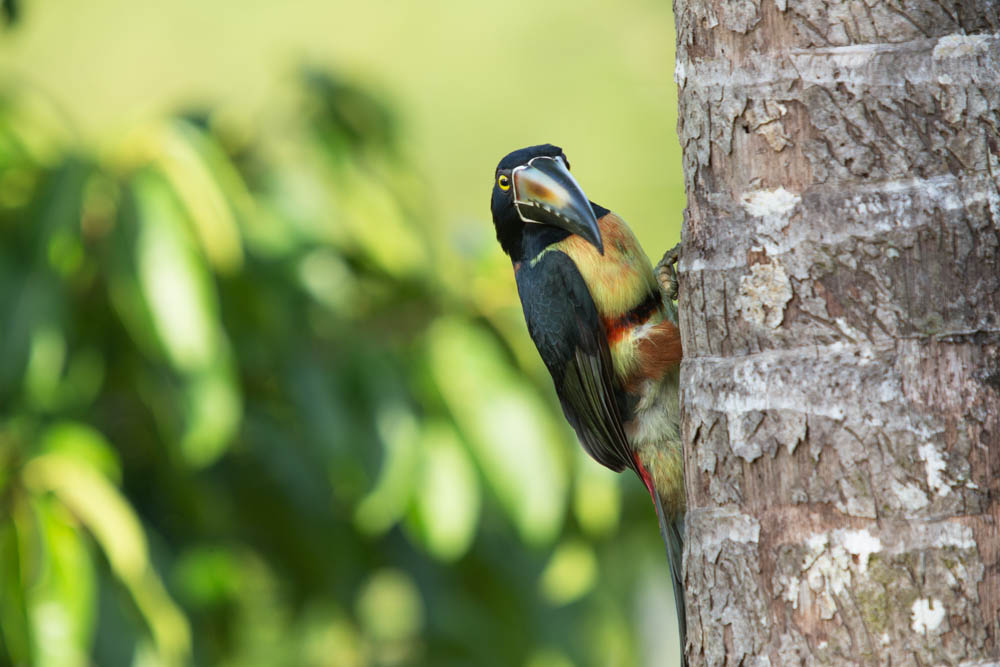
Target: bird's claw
{"x":666,"y":274}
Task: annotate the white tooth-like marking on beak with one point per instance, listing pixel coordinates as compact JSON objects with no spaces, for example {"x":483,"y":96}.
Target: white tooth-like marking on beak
{"x":542,"y":186}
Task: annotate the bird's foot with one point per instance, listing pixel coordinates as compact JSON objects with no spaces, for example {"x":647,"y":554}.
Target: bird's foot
{"x":666,"y":274}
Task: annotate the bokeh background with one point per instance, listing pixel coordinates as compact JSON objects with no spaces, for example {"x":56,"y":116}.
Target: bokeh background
{"x":266,"y":394}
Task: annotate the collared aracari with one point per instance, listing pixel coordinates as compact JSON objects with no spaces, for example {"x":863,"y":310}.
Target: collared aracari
{"x":604,"y":324}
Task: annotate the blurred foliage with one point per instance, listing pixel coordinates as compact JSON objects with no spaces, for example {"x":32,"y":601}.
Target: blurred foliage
{"x":10,"y":11}
{"x":244,"y":422}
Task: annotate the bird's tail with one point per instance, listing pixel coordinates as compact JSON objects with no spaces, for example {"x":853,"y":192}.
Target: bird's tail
{"x":672,"y":531}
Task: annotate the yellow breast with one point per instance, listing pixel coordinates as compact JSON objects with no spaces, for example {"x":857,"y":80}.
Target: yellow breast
{"x":621,"y":278}
{"x":618,"y":281}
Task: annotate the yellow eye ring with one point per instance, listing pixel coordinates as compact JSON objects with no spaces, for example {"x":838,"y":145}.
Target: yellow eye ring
{"x":503,"y":182}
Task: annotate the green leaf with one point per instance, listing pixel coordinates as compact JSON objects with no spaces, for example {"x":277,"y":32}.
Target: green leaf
{"x":82,"y":380}
{"x":180,"y":298}
{"x":208,"y":576}
{"x":570,"y":574}
{"x":213,"y":411}
{"x":597,"y":498}
{"x":191,"y":161}
{"x":176,"y":285}
{"x":387,"y":501}
{"x":43,"y":372}
{"x":83,"y":443}
{"x":13,"y":609}
{"x":390,"y":607}
{"x":61,"y":601}
{"x":329,"y":279}
{"x":447,"y":494}
{"x":392,"y":243}
{"x":512,"y":435}
{"x":113,"y":523}
{"x":32,"y":306}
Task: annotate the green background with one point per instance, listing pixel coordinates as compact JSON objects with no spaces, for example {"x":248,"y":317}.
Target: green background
{"x":266,"y":396}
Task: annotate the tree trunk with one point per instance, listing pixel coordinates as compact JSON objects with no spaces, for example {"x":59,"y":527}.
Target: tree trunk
{"x":840,"y":309}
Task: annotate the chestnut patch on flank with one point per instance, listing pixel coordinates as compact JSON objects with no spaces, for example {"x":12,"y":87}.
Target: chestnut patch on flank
{"x":658,"y":351}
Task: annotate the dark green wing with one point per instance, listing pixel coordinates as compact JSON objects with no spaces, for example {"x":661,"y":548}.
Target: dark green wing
{"x":568,"y":333}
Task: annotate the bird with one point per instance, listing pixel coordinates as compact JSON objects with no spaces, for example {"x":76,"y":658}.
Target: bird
{"x":605,"y":325}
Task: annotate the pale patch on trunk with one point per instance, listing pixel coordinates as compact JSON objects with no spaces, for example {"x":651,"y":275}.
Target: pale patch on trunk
{"x":960,"y":46}
{"x":763,"y":295}
{"x":778,"y":202}
{"x":935,"y":466}
{"x":927,"y":615}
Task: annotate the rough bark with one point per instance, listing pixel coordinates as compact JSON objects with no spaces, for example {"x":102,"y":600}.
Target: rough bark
{"x":840,"y":310}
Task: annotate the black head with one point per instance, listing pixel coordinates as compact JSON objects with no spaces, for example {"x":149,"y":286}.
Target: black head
{"x":533,"y":186}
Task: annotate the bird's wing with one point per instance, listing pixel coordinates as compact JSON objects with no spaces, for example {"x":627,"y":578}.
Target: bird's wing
{"x":567,"y":330}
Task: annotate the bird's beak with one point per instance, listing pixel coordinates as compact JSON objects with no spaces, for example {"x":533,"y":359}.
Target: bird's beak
{"x":546,"y":193}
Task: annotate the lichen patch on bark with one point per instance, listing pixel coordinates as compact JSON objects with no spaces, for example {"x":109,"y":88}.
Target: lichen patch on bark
{"x":779,"y":203}
{"x":935,"y":466}
{"x":959,"y":46}
{"x":763,"y":295}
{"x":927,"y":615}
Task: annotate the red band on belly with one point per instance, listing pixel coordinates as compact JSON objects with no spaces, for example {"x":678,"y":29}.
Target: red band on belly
{"x":617,"y":327}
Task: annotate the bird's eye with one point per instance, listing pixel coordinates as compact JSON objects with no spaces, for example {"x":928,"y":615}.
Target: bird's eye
{"x":503,"y":182}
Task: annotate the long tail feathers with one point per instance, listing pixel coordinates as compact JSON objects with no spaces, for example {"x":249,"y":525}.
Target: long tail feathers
{"x":672,"y":532}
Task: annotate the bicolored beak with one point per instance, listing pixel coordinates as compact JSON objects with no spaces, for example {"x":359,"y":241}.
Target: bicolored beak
{"x":545,"y":193}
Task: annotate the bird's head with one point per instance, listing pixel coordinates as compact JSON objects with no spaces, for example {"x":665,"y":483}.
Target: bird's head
{"x":533,"y":186}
